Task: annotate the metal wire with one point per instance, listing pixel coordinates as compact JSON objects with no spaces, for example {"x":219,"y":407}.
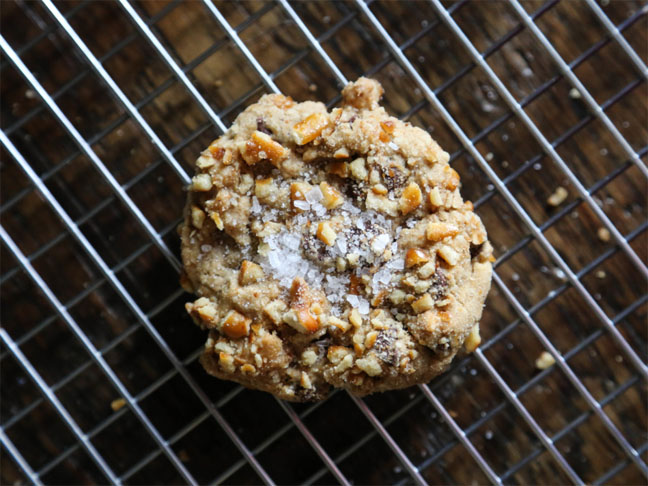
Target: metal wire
{"x":156,"y":239}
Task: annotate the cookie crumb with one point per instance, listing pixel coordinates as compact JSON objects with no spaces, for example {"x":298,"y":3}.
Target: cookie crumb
{"x":117,"y":404}
{"x":603,"y":235}
{"x":600,"y":274}
{"x":544,"y":361}
{"x":558,"y":197}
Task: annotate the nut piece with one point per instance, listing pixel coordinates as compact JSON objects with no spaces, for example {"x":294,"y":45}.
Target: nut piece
{"x":544,"y":361}
{"x":427,"y":270}
{"x":355,"y":318}
{"x":449,"y":254}
{"x":226,"y":361}
{"x":558,"y":196}
{"x":197,"y":217}
{"x":298,"y":191}
{"x":415,"y":256}
{"x":452,"y":178}
{"x":343,"y":326}
{"x":473,"y":340}
{"x":341,"y":153}
{"x":275,"y":310}
{"x":370,"y":340}
{"x":379,"y":189}
{"x":439,"y":231}
{"x":423,"y":304}
{"x":201,"y":183}
{"x":202,"y":308}
{"x":325,"y":233}
{"x":381,"y":204}
{"x":299,"y":316}
{"x":235,"y":325}
{"x":411,"y":198}
{"x":335,"y":354}
{"x":358,"y":169}
{"x":250,"y":273}
{"x":262,"y":147}
{"x":305,"y":381}
{"x":603,"y":234}
{"x":217,"y":220}
{"x":204,"y":161}
{"x":263,"y":188}
{"x":310,"y":128}
{"x":435,"y":198}
{"x":332,"y":197}
{"x":117,"y":404}
{"x":369,"y":365}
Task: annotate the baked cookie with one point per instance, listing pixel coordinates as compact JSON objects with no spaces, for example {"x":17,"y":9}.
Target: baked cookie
{"x":331,"y":249}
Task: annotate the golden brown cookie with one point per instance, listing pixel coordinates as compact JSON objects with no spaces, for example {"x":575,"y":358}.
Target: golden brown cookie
{"x":331,"y":249}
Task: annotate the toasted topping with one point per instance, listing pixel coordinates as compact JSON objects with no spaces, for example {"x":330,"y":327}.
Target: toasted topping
{"x":415,"y":256}
{"x":435,"y":198}
{"x":440,"y":231}
{"x":339,"y":169}
{"x":449,"y":254}
{"x":370,"y":340}
{"x":355,"y":318}
{"x":250,"y":273}
{"x":262,"y":147}
{"x":452,"y":178}
{"x":343,"y":326}
{"x":332,"y":197}
{"x":411,"y":198}
{"x":202,"y":308}
{"x":427,"y":270}
{"x":217,"y":220}
{"x":369,"y":365}
{"x":544,"y":361}
{"x":305,"y":381}
{"x":275,"y":310}
{"x":341,"y":153}
{"x":263,"y":188}
{"x":197,"y":217}
{"x":473,"y":340}
{"x":310,"y":128}
{"x":558,"y":196}
{"x":379,"y":189}
{"x":335,"y":354}
{"x":248,"y":369}
{"x":298,"y":191}
{"x":235,"y":325}
{"x":423,"y":304}
{"x":299,"y":316}
{"x":201,"y":183}
{"x":325,"y":233}
{"x":204,"y":161}
{"x":381,"y":204}
{"x":358,"y":169}
{"x":226,"y":361}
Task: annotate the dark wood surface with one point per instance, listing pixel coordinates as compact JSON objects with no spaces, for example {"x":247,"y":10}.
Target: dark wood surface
{"x":224,"y":78}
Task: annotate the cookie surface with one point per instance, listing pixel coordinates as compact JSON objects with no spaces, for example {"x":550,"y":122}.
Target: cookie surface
{"x":331,"y":249}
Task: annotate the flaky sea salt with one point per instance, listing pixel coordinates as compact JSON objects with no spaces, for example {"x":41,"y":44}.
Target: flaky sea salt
{"x":314,"y":195}
{"x":303,"y":205}
{"x":256,"y":207}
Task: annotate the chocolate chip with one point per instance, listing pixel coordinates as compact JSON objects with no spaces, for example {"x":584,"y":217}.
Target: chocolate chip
{"x":262,"y":127}
{"x":354,"y":189}
{"x":352,"y":119}
{"x":475,"y":250}
{"x":393,"y":177}
{"x":316,"y":250}
{"x":440,"y":284}
{"x":385,"y":346}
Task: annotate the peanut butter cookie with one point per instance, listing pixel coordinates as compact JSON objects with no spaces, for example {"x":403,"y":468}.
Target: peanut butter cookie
{"x":331,"y":249}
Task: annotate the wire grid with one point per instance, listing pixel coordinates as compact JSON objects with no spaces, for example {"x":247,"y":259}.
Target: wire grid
{"x":98,"y":144}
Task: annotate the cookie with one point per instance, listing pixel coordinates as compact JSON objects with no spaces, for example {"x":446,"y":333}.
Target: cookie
{"x":331,"y":249}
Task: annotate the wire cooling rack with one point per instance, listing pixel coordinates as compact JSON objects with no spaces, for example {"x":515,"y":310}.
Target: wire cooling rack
{"x":105,"y":106}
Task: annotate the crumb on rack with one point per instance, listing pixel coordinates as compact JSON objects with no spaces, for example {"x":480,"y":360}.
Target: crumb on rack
{"x":117,"y":404}
{"x":558,"y":197}
{"x":544,"y":361}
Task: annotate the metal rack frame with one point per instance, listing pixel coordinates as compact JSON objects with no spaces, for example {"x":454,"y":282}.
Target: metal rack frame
{"x":168,"y":156}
